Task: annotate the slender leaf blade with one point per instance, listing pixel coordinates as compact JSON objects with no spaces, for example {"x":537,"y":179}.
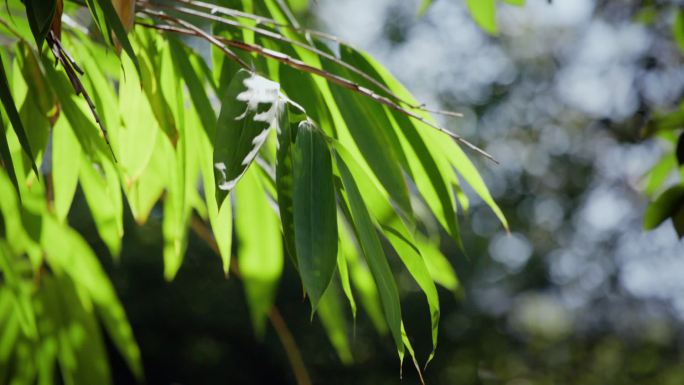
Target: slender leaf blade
{"x":315,"y":215}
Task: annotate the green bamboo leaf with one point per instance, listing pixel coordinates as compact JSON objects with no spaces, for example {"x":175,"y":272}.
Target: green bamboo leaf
{"x":249,"y":108}
{"x":345,"y":248}
{"x":6,"y":156}
{"x":135,"y":140}
{"x":195,"y":82}
{"x":40,"y":14}
{"x":332,"y":318}
{"x":440,"y":269}
{"x":424,"y":5}
{"x":430,"y":170}
{"x":284,"y":178}
{"x":315,"y":220}
{"x":467,"y":170}
{"x":515,"y":2}
{"x":13,"y":115}
{"x":78,"y":115}
{"x":20,"y":292}
{"x":375,"y":256}
{"x":665,"y":206}
{"x":220,"y":216}
{"x":100,"y":184}
{"x":260,"y":253}
{"x":441,"y":147}
{"x":66,"y":251}
{"x":10,"y":329}
{"x":149,"y":187}
{"x":398,"y":235}
{"x":376,"y":139}
{"x":181,"y":193}
{"x":112,"y":23}
{"x":66,"y":164}
{"x":72,"y":323}
{"x":484,"y":14}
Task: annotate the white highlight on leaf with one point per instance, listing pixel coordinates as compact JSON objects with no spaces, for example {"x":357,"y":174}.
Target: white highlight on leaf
{"x":259,"y":90}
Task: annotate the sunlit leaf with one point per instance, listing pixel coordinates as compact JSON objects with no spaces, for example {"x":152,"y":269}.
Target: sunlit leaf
{"x":135,"y":140}
{"x":66,"y":163}
{"x":260,"y":253}
{"x":332,"y":318}
{"x":484,"y":13}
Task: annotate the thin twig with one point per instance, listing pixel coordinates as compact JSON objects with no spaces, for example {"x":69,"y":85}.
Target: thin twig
{"x":341,"y":81}
{"x":292,"y":351}
{"x":73,"y":71}
{"x":235,"y":14}
{"x":278,"y":37}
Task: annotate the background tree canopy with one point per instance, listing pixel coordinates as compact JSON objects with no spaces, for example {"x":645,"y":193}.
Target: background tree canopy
{"x":227,"y":140}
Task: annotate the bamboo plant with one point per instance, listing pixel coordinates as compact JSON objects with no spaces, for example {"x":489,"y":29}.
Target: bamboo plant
{"x":273,"y":142}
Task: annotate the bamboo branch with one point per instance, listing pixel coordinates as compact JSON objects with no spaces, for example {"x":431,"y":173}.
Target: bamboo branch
{"x":340,"y":81}
{"x":281,"y":38}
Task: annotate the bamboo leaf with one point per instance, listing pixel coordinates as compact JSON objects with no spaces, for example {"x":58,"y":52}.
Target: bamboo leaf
{"x":220,"y":215}
{"x":260,"y":253}
{"x":345,"y":248}
{"x":249,"y":108}
{"x":6,"y":157}
{"x":40,"y":14}
{"x":135,"y":140}
{"x":284,"y":179}
{"x":665,"y":206}
{"x":430,"y":170}
{"x":13,"y":115}
{"x":484,"y":14}
{"x":377,"y":141}
{"x":100,"y":184}
{"x":399,"y":236}
{"x":113,"y":23}
{"x":66,"y":251}
{"x":332,"y":318}
{"x":66,"y":164}
{"x":375,"y":256}
{"x":315,"y":220}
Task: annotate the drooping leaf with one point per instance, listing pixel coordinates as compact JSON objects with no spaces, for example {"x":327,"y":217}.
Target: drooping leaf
{"x":66,"y":251}
{"x":135,"y":140}
{"x":424,"y":5}
{"x":399,"y":236}
{"x":13,"y":115}
{"x":249,"y":108}
{"x":66,"y":164}
{"x":40,"y":14}
{"x":285,"y":179}
{"x":375,"y":256}
{"x":665,"y":206}
{"x":484,"y":14}
{"x":6,"y":156}
{"x":260,"y":253}
{"x":376,"y":139}
{"x":100,"y":184}
{"x":315,"y":215}
{"x":430,"y":170}
{"x":345,"y":248}
{"x":332,"y":318}
{"x":112,"y":23}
